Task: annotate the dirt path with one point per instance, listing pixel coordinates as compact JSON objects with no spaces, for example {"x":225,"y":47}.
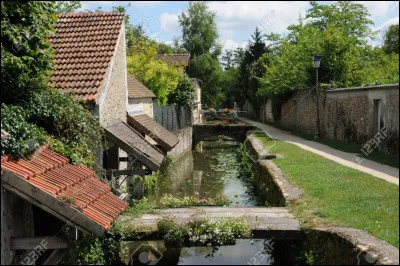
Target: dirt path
{"x":381,"y":171}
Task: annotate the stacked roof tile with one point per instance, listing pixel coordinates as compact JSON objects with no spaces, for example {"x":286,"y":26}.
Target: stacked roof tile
{"x":84,"y":44}
{"x":76,"y":185}
{"x":136,"y":90}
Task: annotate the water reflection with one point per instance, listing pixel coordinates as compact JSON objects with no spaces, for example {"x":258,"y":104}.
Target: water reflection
{"x":212,"y":168}
{"x":244,"y":252}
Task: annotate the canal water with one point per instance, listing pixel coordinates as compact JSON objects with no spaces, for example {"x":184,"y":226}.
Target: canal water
{"x":211,"y":169}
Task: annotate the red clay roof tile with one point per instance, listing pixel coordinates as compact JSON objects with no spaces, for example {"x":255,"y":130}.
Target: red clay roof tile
{"x":84,"y":44}
{"x":76,"y":185}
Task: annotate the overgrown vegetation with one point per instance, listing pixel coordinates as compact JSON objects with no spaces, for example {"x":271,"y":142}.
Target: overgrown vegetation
{"x":169,"y":201}
{"x":339,"y":195}
{"x":204,"y":232}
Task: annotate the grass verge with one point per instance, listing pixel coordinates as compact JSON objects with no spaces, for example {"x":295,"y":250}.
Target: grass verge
{"x":376,"y":156}
{"x":339,"y":195}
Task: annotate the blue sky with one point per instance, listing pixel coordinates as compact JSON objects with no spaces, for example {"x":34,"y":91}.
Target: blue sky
{"x":237,"y":20}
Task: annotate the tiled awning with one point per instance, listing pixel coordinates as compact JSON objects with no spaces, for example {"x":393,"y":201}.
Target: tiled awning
{"x":146,"y":125}
{"x":71,"y":193}
{"x":133,"y":143}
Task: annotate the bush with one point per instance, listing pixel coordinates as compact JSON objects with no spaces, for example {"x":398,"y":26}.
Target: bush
{"x":24,"y":138}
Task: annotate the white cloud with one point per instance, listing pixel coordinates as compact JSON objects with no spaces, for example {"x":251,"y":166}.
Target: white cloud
{"x":91,"y":5}
{"x":169,"y":23}
{"x":247,"y":15}
{"x":378,"y":8}
{"x":230,"y":44}
{"x":384,"y":25}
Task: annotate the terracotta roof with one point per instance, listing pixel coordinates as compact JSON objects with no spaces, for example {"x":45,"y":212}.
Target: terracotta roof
{"x":84,"y":44}
{"x":146,"y":125}
{"x":137,"y":90}
{"x":175,"y":59}
{"x":133,"y":143}
{"x":75,"y":186}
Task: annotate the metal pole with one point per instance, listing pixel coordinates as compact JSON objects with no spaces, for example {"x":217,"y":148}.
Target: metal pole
{"x":317,"y":93}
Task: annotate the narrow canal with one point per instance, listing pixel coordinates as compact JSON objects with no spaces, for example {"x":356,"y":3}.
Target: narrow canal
{"x":213,"y":168}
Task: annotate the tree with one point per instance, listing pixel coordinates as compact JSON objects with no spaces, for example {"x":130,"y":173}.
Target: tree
{"x":228,"y":59}
{"x":207,"y":69}
{"x":154,"y":74}
{"x":26,"y":56}
{"x":391,"y":41}
{"x":183,"y":95}
{"x":63,"y":7}
{"x":199,"y":30}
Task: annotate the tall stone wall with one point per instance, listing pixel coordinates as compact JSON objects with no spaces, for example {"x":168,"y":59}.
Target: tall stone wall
{"x":300,"y":112}
{"x":352,"y":114}
{"x":345,"y":114}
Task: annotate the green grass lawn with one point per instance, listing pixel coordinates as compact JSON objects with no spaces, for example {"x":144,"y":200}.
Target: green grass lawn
{"x":339,"y":195}
{"x":376,"y":156}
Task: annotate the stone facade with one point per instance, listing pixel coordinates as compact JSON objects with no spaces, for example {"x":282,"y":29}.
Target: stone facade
{"x":112,"y":100}
{"x":185,"y":143}
{"x":357,"y":114}
{"x":197,"y":114}
{"x":300,"y":112}
{"x":142,"y":105}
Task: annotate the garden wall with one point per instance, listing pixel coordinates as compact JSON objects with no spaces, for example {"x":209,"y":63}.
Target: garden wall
{"x":349,"y":114}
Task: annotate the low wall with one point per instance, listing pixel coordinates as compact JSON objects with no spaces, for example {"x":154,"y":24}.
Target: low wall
{"x":269,"y":181}
{"x":330,"y":245}
{"x":185,"y":137}
{"x":204,"y":131}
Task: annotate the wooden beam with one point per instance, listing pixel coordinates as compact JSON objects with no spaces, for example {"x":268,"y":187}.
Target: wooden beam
{"x":127,"y":147}
{"x":55,"y":257}
{"x":46,"y":242}
{"x":50,"y":204}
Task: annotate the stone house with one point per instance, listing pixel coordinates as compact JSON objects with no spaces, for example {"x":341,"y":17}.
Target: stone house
{"x":140,"y":98}
{"x":91,"y":65}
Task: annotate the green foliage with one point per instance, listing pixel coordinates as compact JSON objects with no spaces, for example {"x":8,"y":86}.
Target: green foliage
{"x":63,"y":7}
{"x":169,"y":201}
{"x":184,"y":92}
{"x":154,"y":74}
{"x":88,"y":251}
{"x":207,"y":69}
{"x":26,"y":56}
{"x":77,"y":132}
{"x":246,"y":163}
{"x":95,"y":250}
{"x":24,"y":138}
{"x":204,"y":232}
{"x":391,"y":41}
{"x":339,"y":33}
{"x":199,"y":30}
